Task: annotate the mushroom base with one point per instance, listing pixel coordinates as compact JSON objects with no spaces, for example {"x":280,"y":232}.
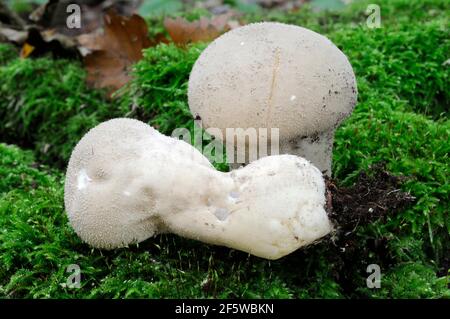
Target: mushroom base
{"x":318,"y":149}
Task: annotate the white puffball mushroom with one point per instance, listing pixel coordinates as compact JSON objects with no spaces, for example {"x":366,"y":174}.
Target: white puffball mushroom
{"x":126,"y":182}
{"x":274,"y":75}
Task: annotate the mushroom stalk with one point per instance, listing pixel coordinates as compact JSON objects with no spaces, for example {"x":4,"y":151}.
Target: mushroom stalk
{"x":126,"y":182}
{"x":318,"y":149}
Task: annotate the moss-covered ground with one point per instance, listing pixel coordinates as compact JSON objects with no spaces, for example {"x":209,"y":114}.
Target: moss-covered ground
{"x":401,"y":119}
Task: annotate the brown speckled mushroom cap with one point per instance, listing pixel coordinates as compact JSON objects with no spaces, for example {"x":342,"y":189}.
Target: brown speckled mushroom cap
{"x":272,"y":75}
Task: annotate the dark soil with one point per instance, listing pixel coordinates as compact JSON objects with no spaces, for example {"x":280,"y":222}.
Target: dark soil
{"x":375,"y":196}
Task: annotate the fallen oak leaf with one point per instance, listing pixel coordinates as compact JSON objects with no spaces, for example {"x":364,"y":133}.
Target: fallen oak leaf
{"x":115,"y":51}
{"x":90,"y":42}
{"x":106,"y":70}
{"x":205,"y":29}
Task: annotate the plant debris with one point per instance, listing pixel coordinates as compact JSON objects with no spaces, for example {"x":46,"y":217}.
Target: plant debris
{"x":110,"y":40}
{"x":53,"y":14}
{"x":39,"y":43}
{"x":375,"y":195}
{"x":115,"y":51}
{"x":184,"y":32}
{"x":12,"y":35}
{"x":372,"y":197}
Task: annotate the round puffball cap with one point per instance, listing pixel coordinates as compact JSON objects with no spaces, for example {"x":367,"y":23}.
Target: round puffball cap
{"x":272,"y":75}
{"x":105,"y":204}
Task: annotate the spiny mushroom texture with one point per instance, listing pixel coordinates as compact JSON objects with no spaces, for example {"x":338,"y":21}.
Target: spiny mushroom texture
{"x":127,"y":182}
{"x":274,"y":75}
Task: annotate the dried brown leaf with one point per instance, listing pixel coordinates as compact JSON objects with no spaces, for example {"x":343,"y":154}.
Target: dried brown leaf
{"x":205,"y":29}
{"x":115,"y":51}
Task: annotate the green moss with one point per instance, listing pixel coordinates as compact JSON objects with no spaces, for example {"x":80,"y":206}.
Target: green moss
{"x":7,"y":53}
{"x":406,"y":62}
{"x":158,"y":93}
{"x":401,"y":118}
{"x":393,"y":13}
{"x":37,"y":245}
{"x":159,"y":90}
{"x":45,"y":105}
{"x":412,"y":280}
{"x":406,"y":56}
{"x":16,"y":170}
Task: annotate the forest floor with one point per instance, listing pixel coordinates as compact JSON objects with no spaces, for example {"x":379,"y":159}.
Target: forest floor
{"x":390,"y":171}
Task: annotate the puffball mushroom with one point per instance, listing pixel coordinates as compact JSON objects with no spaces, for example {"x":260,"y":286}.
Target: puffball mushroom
{"x":274,"y":75}
{"x":126,"y":182}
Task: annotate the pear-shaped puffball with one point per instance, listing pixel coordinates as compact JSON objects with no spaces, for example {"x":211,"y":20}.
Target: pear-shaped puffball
{"x":273,"y":75}
{"x":126,"y":182}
